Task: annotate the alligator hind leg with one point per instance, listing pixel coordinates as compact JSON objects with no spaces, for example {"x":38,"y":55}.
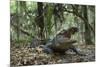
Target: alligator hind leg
{"x":76,"y":51}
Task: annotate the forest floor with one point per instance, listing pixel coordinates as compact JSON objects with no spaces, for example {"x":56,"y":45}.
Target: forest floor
{"x":35,"y":56}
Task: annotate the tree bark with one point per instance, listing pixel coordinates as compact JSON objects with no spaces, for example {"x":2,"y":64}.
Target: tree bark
{"x":87,"y":29}
{"x":40,"y":20}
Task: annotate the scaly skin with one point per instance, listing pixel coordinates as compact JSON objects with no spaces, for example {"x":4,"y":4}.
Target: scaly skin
{"x":62,"y":42}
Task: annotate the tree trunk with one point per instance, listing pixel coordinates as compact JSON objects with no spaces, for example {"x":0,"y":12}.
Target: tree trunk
{"x":18,"y":31}
{"x":87,"y":28}
{"x":40,"y":20}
